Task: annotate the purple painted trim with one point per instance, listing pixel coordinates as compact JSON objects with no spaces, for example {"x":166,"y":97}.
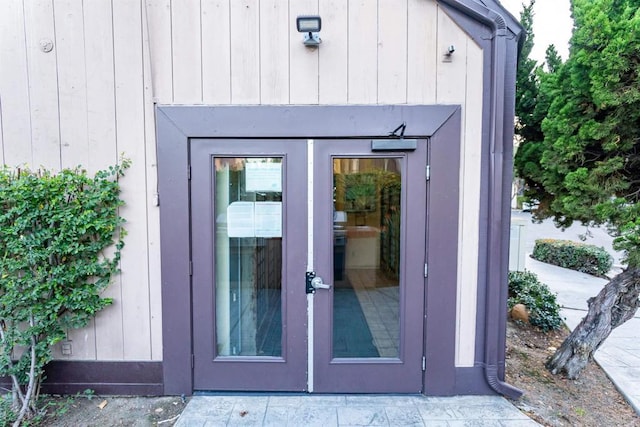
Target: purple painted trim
{"x":286,"y":373}
{"x":175,"y":125}
{"x":442,"y":258}
{"x":123,"y":378}
{"x":472,"y":381}
{"x":174,"y":236}
{"x":499,"y":72}
{"x":306,"y":121}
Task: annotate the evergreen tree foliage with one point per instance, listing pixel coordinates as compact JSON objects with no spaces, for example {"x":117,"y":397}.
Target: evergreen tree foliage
{"x":532,"y":104}
{"x":587,"y":166}
{"x":591,"y":160}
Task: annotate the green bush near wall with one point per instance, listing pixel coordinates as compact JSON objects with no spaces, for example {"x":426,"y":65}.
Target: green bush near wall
{"x":577,"y":256}
{"x":544,"y":310}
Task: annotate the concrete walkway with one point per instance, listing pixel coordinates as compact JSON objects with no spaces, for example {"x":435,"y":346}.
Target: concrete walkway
{"x":351,"y":410}
{"x":619,"y":356}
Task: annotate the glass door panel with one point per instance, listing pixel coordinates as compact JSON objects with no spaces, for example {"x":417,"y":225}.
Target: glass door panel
{"x":249,"y":242}
{"x":366,"y":250}
{"x":248,"y":256}
{"x":369,"y":243}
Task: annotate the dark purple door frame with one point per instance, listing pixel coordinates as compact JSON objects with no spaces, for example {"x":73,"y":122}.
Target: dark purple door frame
{"x":372,"y":375}
{"x":215,"y":372}
{"x":176,"y":125}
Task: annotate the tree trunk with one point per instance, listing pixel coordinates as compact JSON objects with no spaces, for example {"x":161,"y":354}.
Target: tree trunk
{"x":616,"y":303}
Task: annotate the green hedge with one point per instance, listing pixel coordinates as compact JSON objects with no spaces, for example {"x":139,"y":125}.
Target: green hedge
{"x":544,"y":310}
{"x":577,"y":256}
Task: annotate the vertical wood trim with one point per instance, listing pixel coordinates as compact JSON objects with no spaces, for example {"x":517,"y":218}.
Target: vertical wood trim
{"x":14,"y":86}
{"x":216,"y":52}
{"x":451,"y":88}
{"x":465,"y":353}
{"x":153,"y":211}
{"x":392,"y":51}
{"x":72,"y":83}
{"x":303,"y":67}
{"x":72,"y":96}
{"x":421,"y":52}
{"x":103,"y":151}
{"x":363,"y":52}
{"x":43,"y":84}
{"x":333,"y":52}
{"x":159,"y":17}
{"x":101,"y":114}
{"x":274,"y":52}
{"x":187,"y":52}
{"x":245,"y":52}
{"x":127,"y":32}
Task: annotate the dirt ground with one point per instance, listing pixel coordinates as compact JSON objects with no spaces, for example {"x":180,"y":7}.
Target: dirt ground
{"x":551,"y":400}
{"x":591,"y":400}
{"x":108,"y":411}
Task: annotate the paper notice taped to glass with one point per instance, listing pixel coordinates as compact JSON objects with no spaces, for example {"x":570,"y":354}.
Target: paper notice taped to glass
{"x":254,"y":219}
{"x":263,"y":177}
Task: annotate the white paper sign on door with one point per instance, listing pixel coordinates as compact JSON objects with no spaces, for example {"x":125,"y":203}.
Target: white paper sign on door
{"x":259,"y":219}
{"x":263,"y":177}
{"x":268,"y":219}
{"x":240,"y":219}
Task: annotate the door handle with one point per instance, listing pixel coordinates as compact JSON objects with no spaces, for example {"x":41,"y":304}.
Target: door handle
{"x":317,"y":283}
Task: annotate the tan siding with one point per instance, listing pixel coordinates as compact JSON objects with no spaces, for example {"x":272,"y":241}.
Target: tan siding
{"x":333,"y":55}
{"x":216,"y":52}
{"x":274,"y":52}
{"x":101,"y":110}
{"x":392,"y":52}
{"x":152,"y":200}
{"x":245,"y":52}
{"x":467,"y":285}
{"x":127,"y":32}
{"x":43,"y":90}
{"x":187,"y":58}
{"x":72,"y":102}
{"x":72,"y":84}
{"x":421,"y":52}
{"x":14,"y":86}
{"x":92,"y":98}
{"x":304,"y":60}
{"x":158,"y":14}
{"x":452,"y":88}
{"x":363,"y":52}
{"x":103,"y":152}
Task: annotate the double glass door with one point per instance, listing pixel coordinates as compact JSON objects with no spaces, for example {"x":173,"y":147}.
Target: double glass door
{"x":308,"y":266}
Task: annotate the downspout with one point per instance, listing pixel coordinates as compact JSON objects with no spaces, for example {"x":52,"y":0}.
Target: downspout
{"x":495,"y":275}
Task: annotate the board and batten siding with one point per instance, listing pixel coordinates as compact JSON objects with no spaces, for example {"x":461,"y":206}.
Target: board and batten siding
{"x":92,"y":97}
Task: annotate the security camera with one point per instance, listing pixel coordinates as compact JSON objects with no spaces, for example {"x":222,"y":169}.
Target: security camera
{"x":451,"y":49}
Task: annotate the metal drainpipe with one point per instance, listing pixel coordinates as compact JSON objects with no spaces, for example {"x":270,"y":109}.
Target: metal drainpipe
{"x":496,"y":159}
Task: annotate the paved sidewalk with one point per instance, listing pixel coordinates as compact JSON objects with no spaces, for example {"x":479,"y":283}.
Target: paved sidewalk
{"x":351,"y":410}
{"x":619,"y":356}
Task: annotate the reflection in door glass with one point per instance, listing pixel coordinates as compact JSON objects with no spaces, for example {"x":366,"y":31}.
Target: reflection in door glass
{"x":366,"y":255}
{"x":248,"y":256}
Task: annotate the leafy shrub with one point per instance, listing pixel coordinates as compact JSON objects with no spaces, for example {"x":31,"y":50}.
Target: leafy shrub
{"x":577,"y":256}
{"x":54,"y":230}
{"x":544,"y":310}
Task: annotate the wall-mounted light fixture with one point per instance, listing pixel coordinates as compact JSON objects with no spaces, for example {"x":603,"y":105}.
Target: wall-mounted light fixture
{"x":447,"y":55}
{"x":310,"y":25}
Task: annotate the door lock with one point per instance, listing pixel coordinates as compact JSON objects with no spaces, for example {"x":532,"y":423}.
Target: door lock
{"x":315,"y":282}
